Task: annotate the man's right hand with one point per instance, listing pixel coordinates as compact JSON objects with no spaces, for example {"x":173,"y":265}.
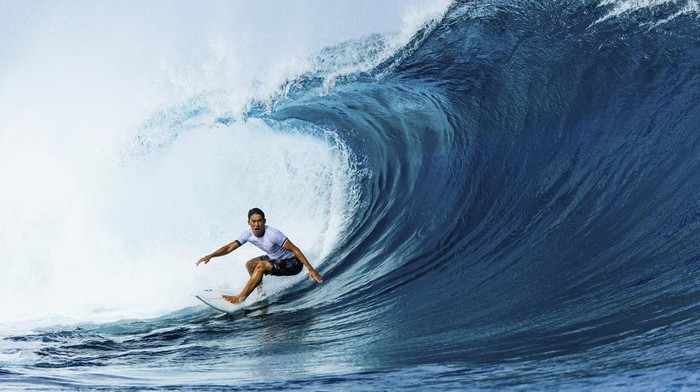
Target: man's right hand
{"x":204,"y":260}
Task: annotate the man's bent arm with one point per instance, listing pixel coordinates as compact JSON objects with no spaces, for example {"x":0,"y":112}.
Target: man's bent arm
{"x":312,"y":272}
{"x":224,"y":250}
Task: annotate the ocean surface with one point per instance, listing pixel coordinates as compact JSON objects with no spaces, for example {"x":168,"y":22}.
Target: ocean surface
{"x":505,"y":197}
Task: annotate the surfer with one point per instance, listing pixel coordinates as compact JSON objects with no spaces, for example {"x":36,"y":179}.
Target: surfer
{"x":282,"y":257}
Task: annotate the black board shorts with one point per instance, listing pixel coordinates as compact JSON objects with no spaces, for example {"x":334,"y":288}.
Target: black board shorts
{"x":284,"y":267}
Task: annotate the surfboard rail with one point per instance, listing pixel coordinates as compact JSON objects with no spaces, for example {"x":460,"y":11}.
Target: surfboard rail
{"x":213,"y":299}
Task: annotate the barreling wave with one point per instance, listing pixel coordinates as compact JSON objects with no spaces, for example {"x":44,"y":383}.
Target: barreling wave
{"x":532,"y":179}
{"x":524,"y":207}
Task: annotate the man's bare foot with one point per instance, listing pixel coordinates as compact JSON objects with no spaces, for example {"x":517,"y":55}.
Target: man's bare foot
{"x":234,"y":299}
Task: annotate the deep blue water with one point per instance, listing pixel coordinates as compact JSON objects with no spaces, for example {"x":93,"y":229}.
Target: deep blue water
{"x":529,"y":218}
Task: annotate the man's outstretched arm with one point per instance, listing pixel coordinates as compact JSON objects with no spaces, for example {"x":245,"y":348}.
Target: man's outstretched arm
{"x":224,"y":250}
{"x":312,"y":272}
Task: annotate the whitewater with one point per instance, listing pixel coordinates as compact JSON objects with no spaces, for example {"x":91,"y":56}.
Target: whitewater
{"x":499,"y":194}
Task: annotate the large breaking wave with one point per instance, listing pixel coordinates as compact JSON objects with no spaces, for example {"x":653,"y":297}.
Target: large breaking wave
{"x":516,"y":183}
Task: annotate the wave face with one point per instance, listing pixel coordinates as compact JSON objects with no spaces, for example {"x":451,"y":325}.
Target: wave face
{"x":533,"y":181}
{"x":525,"y":213}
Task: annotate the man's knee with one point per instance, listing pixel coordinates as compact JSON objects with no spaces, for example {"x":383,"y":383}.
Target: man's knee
{"x":251,"y":264}
{"x":263,"y":266}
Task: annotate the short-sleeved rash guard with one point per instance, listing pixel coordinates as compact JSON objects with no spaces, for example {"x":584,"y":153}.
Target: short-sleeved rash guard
{"x":271,"y":242}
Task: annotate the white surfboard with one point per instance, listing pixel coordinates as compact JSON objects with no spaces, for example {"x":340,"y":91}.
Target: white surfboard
{"x":213,"y":298}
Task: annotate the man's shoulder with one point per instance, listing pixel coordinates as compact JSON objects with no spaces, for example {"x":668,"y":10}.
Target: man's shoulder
{"x":269,"y":228}
{"x":273,"y":232}
{"x":245,"y":235}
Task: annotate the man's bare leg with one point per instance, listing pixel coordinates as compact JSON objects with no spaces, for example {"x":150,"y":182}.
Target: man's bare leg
{"x":250,"y":266}
{"x":262,"y":268}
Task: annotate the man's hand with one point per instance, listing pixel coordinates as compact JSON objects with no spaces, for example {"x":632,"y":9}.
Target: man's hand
{"x":314,"y":275}
{"x":204,"y":260}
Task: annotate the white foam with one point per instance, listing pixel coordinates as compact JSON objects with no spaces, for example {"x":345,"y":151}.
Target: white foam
{"x":125,"y":237}
{"x":624,"y":7}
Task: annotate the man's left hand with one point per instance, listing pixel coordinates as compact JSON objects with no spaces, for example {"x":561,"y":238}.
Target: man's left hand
{"x":315,"y":276}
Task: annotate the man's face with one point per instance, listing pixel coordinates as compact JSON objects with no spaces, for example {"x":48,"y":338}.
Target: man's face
{"x":257,"y":224}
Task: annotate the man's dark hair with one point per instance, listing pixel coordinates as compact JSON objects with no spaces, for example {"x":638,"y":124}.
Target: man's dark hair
{"x":255,"y":211}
